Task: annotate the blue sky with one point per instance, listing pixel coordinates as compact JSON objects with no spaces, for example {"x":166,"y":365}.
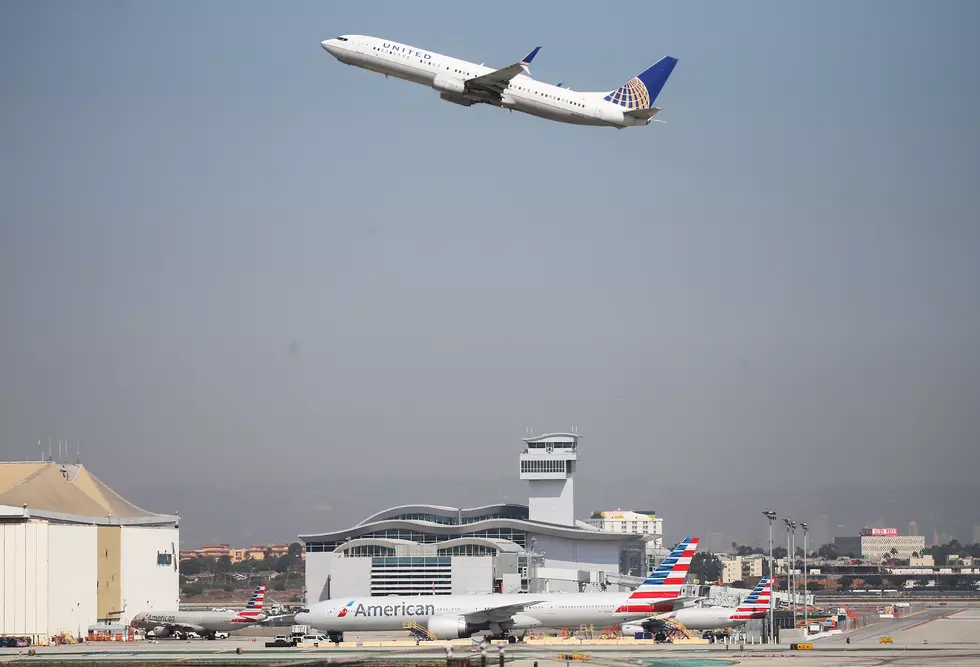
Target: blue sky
{"x":219,"y":245}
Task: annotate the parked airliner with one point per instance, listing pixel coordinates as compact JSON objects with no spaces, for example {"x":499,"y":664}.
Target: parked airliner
{"x":754,"y":606}
{"x":205,"y":623}
{"x":456,"y":616}
{"x":512,"y":87}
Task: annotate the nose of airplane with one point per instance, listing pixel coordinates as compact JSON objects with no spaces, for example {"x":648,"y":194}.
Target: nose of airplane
{"x":330,"y":46}
{"x":302,"y":618}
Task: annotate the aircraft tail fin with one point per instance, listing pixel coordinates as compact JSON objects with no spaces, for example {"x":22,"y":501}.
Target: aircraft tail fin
{"x":756,"y":604}
{"x":256,"y":602}
{"x":665,"y":582}
{"x":641,"y":91}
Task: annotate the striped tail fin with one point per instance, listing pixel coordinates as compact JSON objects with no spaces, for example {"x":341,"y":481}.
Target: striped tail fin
{"x":756,"y":605}
{"x":255,"y":603}
{"x":665,"y":582}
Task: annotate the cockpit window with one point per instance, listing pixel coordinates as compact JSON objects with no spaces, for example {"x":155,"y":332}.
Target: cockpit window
{"x":304,"y":610}
{"x":341,"y":39}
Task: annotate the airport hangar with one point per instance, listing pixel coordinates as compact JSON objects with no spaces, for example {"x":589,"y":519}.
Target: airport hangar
{"x":434,"y":549}
{"x":73,"y":553}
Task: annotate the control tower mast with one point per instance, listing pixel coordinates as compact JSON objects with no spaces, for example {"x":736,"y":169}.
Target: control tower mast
{"x":548,"y":464}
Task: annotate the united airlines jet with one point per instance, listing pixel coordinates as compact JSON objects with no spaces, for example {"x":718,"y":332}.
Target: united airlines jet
{"x":512,"y":87}
{"x":457,"y":616}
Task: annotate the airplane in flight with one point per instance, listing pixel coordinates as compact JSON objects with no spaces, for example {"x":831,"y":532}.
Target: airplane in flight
{"x":460,"y":616}
{"x":512,"y":87}
{"x":755,"y":605}
{"x":205,"y":623}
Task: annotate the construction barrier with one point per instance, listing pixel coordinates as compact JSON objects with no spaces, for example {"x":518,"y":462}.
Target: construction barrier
{"x":885,"y":640}
{"x":801,"y":647}
{"x":572,"y":656}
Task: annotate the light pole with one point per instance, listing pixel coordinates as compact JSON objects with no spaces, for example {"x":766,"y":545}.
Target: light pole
{"x":790,"y":526}
{"x":806,"y":626}
{"x":769,"y":514}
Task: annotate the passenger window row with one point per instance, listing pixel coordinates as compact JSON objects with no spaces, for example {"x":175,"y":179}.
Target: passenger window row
{"x":458,"y":71}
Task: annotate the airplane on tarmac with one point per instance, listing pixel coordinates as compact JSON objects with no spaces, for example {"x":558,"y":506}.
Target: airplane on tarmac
{"x":755,"y":605}
{"x":458,"y":616}
{"x":512,"y":87}
{"x":204,"y":623}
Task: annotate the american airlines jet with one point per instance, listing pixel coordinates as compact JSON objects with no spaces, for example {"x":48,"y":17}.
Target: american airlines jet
{"x":754,"y":606}
{"x":456,"y":616}
{"x":512,"y":87}
{"x":205,"y":623}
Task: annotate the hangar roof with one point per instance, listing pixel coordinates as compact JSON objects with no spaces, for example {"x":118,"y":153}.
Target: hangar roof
{"x":68,"y":492}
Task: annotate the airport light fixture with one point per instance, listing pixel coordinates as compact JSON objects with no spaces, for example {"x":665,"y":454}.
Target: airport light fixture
{"x":806,"y":626}
{"x":790,"y":557}
{"x":769,"y":514}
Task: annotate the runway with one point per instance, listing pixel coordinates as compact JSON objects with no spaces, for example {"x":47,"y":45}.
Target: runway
{"x":936,"y":636}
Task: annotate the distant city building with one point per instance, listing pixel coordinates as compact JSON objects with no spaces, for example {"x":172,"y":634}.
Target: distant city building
{"x":874,"y":544}
{"x":256,"y":552}
{"x":976,"y":534}
{"x":731,"y":568}
{"x":913,"y":528}
{"x":752,"y":566}
{"x":922,"y":561}
{"x":628,"y":521}
{"x":740,"y":568}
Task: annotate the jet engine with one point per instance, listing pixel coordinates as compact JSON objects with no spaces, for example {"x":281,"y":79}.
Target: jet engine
{"x":161,"y":631}
{"x":448,"y":84}
{"x":449,"y":627}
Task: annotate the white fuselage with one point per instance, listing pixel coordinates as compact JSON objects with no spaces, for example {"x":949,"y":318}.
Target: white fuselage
{"x":706,"y":618}
{"x":447,"y":75}
{"x":552,"y":610}
{"x":196,"y":621}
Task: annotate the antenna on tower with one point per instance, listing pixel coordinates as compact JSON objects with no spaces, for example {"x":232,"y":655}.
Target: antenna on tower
{"x":78,"y":451}
{"x":49,"y":449}
{"x":40,"y":449}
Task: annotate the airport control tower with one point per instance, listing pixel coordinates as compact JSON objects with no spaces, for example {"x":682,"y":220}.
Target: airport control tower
{"x":548,"y":464}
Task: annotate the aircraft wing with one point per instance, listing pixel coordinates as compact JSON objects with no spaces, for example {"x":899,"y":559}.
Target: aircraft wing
{"x":498,"y":614}
{"x":498,"y":80}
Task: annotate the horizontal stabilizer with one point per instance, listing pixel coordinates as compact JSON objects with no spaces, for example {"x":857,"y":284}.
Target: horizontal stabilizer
{"x":642,"y":113}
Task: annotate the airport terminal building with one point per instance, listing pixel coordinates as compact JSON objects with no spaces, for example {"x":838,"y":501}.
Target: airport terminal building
{"x":440,"y":550}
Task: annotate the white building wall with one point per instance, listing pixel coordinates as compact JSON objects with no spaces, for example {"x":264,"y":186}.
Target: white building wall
{"x":580,"y":554}
{"x":147,"y":585}
{"x":552,"y":501}
{"x":24,"y":590}
{"x":318,"y":567}
{"x":472,"y":574}
{"x":349,"y":577}
{"x":73,"y":571}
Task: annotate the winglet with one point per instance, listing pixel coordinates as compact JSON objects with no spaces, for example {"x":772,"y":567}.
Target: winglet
{"x":528,"y":58}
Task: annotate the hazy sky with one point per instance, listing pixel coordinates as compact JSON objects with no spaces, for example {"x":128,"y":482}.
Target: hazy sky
{"x":277,"y":293}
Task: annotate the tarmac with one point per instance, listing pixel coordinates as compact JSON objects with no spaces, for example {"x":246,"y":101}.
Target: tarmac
{"x":934,"y":636}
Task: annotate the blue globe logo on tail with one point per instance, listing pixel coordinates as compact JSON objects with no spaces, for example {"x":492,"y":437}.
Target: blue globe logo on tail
{"x":641,"y":91}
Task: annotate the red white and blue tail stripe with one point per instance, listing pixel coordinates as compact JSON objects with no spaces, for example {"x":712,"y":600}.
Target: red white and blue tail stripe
{"x":665,"y":582}
{"x":756,"y":605}
{"x":254,"y":606}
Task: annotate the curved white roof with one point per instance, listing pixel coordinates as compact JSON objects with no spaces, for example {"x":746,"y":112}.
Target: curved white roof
{"x":555,"y":437}
{"x":460,"y":530}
